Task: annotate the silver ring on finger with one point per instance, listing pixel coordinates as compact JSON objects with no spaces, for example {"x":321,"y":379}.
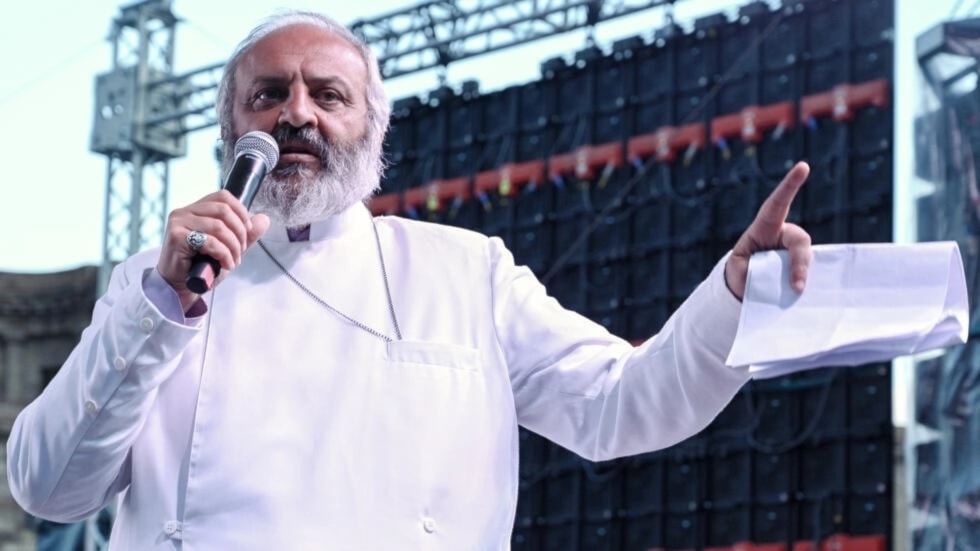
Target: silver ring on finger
{"x":196,"y":240}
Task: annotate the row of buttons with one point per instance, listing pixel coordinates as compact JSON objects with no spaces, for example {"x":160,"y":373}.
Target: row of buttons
{"x":119,"y":364}
{"x":172,"y":527}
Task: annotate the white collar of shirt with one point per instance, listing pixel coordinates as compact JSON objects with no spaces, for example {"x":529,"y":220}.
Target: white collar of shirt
{"x":354,"y":219}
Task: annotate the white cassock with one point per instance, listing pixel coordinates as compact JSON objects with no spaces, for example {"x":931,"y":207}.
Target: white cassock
{"x":271,"y":422}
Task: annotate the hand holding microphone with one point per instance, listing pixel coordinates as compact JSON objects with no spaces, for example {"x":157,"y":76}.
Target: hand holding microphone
{"x":255,"y":154}
{"x":213,"y":232}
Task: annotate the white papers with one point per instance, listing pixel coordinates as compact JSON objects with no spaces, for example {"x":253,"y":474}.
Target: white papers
{"x":863,"y":303}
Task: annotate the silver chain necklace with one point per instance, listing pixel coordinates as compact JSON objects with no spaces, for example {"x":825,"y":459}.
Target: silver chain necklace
{"x":321,"y":302}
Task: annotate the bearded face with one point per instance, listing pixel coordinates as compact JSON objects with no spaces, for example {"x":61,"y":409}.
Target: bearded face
{"x":307,"y":87}
{"x":298,"y":194}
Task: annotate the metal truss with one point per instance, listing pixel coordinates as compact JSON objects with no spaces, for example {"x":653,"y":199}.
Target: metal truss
{"x":426,"y":36}
{"x":434,"y":34}
{"x":198,"y":90}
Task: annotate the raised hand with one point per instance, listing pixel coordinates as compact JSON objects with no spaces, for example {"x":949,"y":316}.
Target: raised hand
{"x":770,"y":230}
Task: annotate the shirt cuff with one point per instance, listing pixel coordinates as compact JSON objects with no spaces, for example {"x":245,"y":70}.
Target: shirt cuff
{"x":163,"y":296}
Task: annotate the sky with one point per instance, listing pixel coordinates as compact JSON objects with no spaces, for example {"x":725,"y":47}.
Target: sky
{"x":52,"y":215}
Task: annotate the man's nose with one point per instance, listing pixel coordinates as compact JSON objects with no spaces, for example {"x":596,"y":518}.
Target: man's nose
{"x":298,"y":111}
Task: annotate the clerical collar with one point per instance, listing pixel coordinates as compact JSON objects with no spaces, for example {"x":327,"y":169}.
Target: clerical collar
{"x":298,"y":234}
{"x":355,"y":218}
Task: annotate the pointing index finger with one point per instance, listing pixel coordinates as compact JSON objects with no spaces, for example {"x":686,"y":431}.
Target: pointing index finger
{"x":775,"y":209}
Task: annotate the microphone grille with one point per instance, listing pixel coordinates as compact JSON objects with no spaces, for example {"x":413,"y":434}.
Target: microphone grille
{"x":258,"y":143}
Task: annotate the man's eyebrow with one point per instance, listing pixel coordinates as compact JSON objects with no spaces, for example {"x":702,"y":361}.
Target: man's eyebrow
{"x":272,"y":80}
{"x":268,"y":80}
{"x":331,"y":81}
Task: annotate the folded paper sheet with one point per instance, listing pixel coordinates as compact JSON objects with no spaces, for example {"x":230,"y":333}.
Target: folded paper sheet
{"x":863,"y":303}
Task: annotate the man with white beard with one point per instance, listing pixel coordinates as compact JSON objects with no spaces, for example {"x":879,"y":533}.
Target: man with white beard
{"x":350,"y":382}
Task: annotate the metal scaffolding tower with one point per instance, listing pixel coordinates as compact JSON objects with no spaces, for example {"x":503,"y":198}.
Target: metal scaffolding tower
{"x":137,"y":150}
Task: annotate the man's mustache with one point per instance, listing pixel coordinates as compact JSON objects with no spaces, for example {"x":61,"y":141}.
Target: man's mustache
{"x":307,"y":136}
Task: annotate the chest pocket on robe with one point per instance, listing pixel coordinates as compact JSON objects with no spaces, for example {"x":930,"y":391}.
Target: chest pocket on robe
{"x":436,"y":357}
{"x":434,"y":404}
{"x":431,"y":380}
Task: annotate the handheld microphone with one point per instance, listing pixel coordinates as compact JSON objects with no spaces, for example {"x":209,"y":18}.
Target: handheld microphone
{"x":255,"y":154}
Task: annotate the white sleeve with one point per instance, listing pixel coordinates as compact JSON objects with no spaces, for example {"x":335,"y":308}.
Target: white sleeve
{"x":67,"y":455}
{"x":597,"y":395}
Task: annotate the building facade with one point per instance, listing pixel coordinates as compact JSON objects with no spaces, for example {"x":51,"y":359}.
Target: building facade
{"x":41,"y":319}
